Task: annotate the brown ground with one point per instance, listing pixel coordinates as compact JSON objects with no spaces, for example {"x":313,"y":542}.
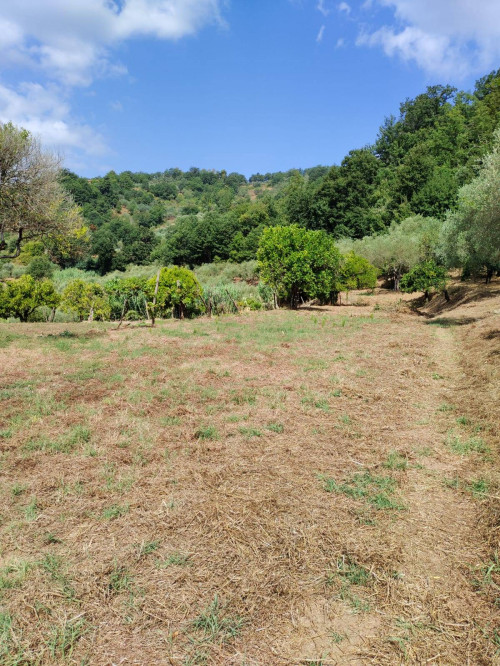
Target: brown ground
{"x":312,"y":487}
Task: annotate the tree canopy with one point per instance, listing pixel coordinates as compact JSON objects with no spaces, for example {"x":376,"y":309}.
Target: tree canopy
{"x":32,"y":202}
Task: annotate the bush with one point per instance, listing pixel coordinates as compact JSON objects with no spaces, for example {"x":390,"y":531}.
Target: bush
{"x":21,"y":297}
{"x":87,"y":299}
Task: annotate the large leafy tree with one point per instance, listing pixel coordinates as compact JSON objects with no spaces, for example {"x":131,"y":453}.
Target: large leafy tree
{"x":471,"y":233}
{"x":298,"y":263}
{"x":32,"y":202}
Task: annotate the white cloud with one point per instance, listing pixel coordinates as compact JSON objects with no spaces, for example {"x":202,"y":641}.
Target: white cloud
{"x":445,"y":37}
{"x":340,"y":43}
{"x":321,"y":8}
{"x":321,"y":32}
{"x":70,"y":43}
{"x":44,"y":112}
{"x":344,"y":7}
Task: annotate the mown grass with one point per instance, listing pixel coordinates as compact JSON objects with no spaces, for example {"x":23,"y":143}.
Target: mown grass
{"x":149,"y":469}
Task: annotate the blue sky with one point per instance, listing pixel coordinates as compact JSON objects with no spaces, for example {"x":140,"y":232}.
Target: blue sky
{"x":239,"y":85}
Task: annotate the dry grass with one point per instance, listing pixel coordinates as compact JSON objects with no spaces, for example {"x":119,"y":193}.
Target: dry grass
{"x":274,"y":488}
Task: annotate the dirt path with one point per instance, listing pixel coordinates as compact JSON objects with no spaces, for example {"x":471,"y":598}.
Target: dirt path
{"x":430,"y":614}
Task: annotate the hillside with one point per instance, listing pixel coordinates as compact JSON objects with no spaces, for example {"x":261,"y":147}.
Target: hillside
{"x":415,"y":166}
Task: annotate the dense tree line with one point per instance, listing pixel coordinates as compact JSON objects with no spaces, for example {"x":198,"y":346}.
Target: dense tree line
{"x":416,"y":166}
{"x":425,"y":191}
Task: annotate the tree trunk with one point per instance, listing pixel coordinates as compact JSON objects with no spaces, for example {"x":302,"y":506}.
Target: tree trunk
{"x":446,"y":295}
{"x":154,"y":299}
{"x":52,"y":315}
{"x":123,"y":312}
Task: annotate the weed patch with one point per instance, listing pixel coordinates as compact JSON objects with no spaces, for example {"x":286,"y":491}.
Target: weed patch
{"x":376,"y":490}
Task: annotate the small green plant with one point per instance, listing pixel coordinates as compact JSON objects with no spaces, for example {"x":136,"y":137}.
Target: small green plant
{"x":175,"y":559}
{"x":446,"y":407}
{"x":488,"y":574}
{"x":376,"y":490}
{"x":250,"y":432}
{"x":18,"y":489}
{"x":115,"y":511}
{"x":10,"y":652}
{"x":275,"y":427}
{"x":357,"y":604}
{"x":64,"y":444}
{"x":13,"y":575}
{"x":207,"y":432}
{"x":396,"y":461}
{"x":478,"y":488}
{"x":146,"y":548}
{"x":120,"y":580}
{"x":31,"y":510}
{"x":216,"y":625}
{"x":53,"y":565}
{"x":436,"y":375}
{"x":63,"y":639}
{"x":352,"y":572}
{"x":465,"y":447}
{"x":336,"y":637}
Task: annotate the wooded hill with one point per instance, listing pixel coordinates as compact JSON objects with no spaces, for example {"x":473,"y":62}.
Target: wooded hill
{"x":416,"y":165}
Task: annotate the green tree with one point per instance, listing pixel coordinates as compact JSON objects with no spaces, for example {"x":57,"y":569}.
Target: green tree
{"x":21,"y":297}
{"x":41,"y":267}
{"x":424,"y":277}
{"x":401,"y":247}
{"x":356,"y":272}
{"x":87,"y":299}
{"x":32,"y":202}
{"x":178,"y":291}
{"x":471,"y":233}
{"x":297,"y":263}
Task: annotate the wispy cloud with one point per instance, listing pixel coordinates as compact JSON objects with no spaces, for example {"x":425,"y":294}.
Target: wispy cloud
{"x":321,"y":32}
{"x":344,"y":7}
{"x":321,"y":8}
{"x":450,"y":38}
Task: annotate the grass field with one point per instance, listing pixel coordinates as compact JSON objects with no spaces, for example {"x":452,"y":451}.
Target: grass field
{"x":311,"y":487}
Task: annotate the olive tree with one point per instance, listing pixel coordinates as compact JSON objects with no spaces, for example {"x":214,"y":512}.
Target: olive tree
{"x":32,"y":202}
{"x":401,"y":247}
{"x":471,"y":233}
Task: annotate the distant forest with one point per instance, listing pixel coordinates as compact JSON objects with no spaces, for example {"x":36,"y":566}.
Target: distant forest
{"x":415,"y":166}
